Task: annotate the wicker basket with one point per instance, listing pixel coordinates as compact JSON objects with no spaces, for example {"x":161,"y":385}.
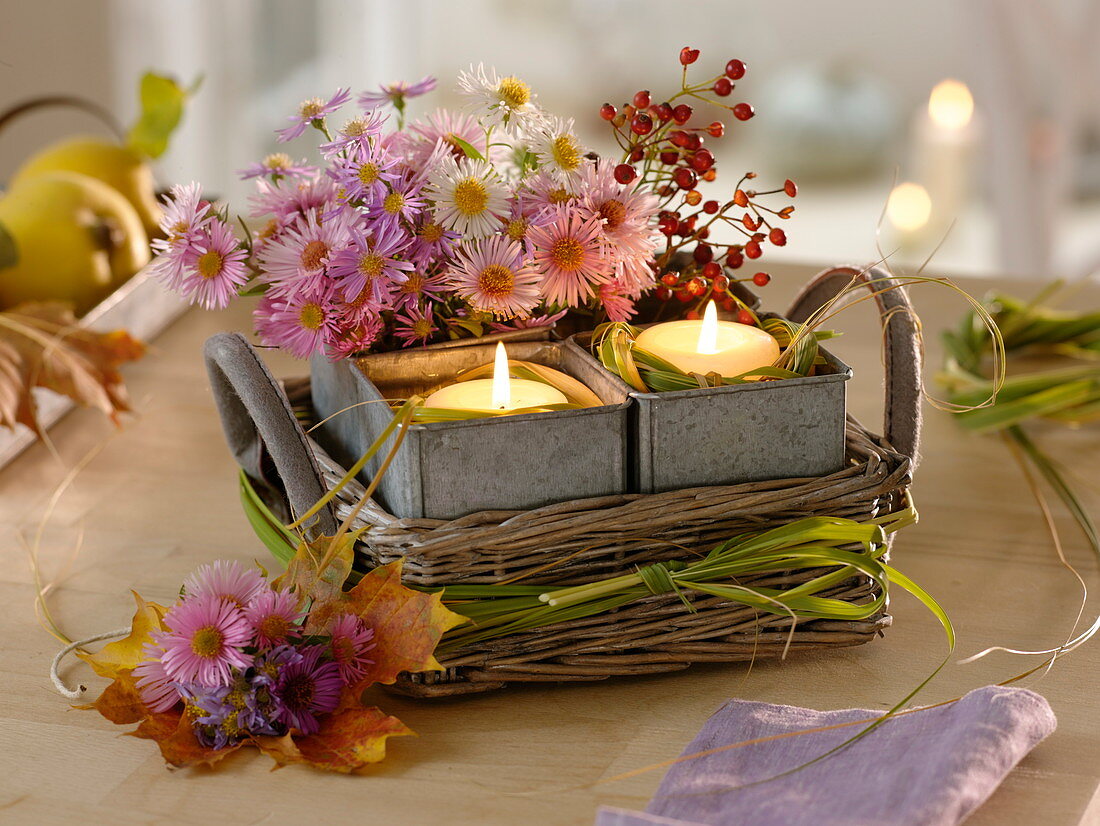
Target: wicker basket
{"x":586,"y":540}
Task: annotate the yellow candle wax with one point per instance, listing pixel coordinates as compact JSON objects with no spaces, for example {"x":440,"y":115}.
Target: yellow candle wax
{"x":710,"y":346}
{"x":495,"y":394}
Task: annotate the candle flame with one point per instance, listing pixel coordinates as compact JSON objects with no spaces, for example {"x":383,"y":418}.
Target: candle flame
{"x":708,"y":333}
{"x":502,"y":386}
{"x":951,"y":105}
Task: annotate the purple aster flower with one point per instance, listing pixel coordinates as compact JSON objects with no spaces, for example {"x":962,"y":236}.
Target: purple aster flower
{"x":417,"y":286}
{"x":312,"y":113}
{"x":227,"y":714}
{"x":358,"y":133}
{"x":350,"y":640}
{"x":415,"y":326}
{"x":214,"y":267}
{"x":402,"y":202}
{"x":396,"y":93}
{"x":367,"y":271}
{"x":278,"y":165}
{"x":431,"y":241}
{"x":306,"y":689}
{"x":291,"y":197}
{"x":365,"y":173}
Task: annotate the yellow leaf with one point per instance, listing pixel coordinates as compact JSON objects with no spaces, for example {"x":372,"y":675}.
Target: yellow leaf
{"x":350,"y":739}
{"x":124,"y":655}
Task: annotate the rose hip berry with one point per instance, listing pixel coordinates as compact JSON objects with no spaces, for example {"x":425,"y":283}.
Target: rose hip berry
{"x":777,"y":237}
{"x":735,"y":69}
{"x":720,"y":282}
{"x":712,"y":270}
{"x":669,"y":157}
{"x":641,"y":99}
{"x":761,"y":279}
{"x":670,"y":279}
{"x":682,"y":113}
{"x":697,"y":286}
{"x":790,"y":188}
{"x":679,"y":138}
{"x":664,"y":293}
{"x":641,"y":124}
{"x":716,"y":129}
{"x":710,"y":207}
{"x":664,"y":112}
{"x":607,"y":111}
{"x":740,"y":198}
{"x":745,"y":317}
{"x":693,"y":197}
{"x":684,"y":178}
{"x":688,"y":55}
{"x":752,"y":249}
{"x":625,"y":173}
{"x":722,"y":87}
{"x":743,"y":111}
{"x":702,"y":160}
{"x":703,"y":254}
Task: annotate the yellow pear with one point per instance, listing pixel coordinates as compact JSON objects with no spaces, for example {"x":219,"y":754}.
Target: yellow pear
{"x":115,"y":165}
{"x":73,"y":238}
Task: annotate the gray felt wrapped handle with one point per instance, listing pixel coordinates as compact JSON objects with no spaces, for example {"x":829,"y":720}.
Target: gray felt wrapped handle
{"x":903,"y":357}
{"x":259,"y":425}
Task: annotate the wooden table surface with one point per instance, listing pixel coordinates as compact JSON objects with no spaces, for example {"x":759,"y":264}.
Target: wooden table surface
{"x":160,"y":498}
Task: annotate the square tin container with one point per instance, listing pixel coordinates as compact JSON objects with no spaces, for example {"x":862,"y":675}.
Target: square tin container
{"x":445,"y":470}
{"x":785,"y":429}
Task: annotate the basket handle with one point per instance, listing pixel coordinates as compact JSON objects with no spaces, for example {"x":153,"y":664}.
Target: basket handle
{"x":259,"y":423}
{"x":903,"y":356}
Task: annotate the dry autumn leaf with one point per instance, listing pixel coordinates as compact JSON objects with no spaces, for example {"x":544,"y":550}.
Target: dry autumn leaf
{"x":42,"y":346}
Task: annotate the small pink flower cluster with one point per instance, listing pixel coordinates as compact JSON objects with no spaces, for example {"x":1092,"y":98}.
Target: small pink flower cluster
{"x":459,"y":224}
{"x":233,"y":652}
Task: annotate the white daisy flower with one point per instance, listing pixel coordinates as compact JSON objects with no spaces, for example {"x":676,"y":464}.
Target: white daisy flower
{"x":469,"y":197}
{"x":500,"y":101}
{"x":557,"y":148}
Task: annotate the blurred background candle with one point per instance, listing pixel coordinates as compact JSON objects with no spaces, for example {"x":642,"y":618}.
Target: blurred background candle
{"x":495,"y":394}
{"x":710,"y":346}
{"x":945,"y":139}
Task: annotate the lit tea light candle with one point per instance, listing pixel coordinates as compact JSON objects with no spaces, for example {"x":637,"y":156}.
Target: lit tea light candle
{"x":495,"y":394}
{"x":710,"y":346}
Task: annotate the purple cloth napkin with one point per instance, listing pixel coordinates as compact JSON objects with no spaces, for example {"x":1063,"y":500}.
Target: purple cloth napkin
{"x":931,"y":767}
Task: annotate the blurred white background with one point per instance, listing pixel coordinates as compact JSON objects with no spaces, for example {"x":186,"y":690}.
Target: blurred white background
{"x":840,"y":90}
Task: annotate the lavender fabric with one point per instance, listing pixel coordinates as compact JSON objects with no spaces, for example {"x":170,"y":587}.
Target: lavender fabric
{"x":931,"y":767}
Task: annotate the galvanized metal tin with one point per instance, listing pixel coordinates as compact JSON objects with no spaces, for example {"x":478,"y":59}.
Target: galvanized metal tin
{"x":739,"y":433}
{"x":445,"y":470}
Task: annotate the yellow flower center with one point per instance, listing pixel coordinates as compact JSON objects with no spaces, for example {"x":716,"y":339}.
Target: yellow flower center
{"x":422,"y":328}
{"x":371,"y":265}
{"x":355,"y":127}
{"x":393,"y":203}
{"x":516,"y":229}
{"x":566,"y":152}
{"x":470,"y":196}
{"x":274,"y":627}
{"x":231,"y":726}
{"x":413,"y":284}
{"x":175,"y":235}
{"x":513,"y":92}
{"x":236,"y":698}
{"x":368,"y":174}
{"x":567,"y":254}
{"x":278,"y":161}
{"x":311,"y":109}
{"x":560,"y":195}
{"x":496,"y":281}
{"x":313,"y":255}
{"x":270,"y":228}
{"x":209,"y":263}
{"x":207,"y":642}
{"x":431,"y":233}
{"x":614,"y":212}
{"x":311,"y":316}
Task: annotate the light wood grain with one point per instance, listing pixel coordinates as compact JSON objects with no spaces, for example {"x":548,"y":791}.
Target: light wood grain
{"x":161,"y":497}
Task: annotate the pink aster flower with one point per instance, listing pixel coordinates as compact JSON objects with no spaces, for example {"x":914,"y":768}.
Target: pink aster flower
{"x":350,"y":641}
{"x":415,"y":326}
{"x":357,"y":134}
{"x":296,"y":260}
{"x":627,"y":215}
{"x":278,"y":165}
{"x":419,"y":286}
{"x":442,"y":127}
{"x":572,"y":257}
{"x":153,"y":683}
{"x":274,"y":617}
{"x":619,"y":307}
{"x":225,"y":579}
{"x":214,"y":267}
{"x":289,"y":198}
{"x":205,"y":640}
{"x":355,"y":334}
{"x":299,"y":324}
{"x":493,"y":276}
{"x":396,"y":93}
{"x":312,"y":113}
{"x":307,"y":688}
{"x":528,"y":323}
{"x":364,"y":174}
{"x":185,"y":218}
{"x":369,"y":269}
{"x":541,"y":193}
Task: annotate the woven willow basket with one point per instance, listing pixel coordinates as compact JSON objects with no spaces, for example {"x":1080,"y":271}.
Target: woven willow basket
{"x":590,"y":539}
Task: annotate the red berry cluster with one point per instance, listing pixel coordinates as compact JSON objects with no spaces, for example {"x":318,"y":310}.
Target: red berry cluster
{"x":663,"y":150}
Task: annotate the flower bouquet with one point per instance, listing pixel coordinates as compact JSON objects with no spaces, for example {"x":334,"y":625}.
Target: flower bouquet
{"x":465,"y":223}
